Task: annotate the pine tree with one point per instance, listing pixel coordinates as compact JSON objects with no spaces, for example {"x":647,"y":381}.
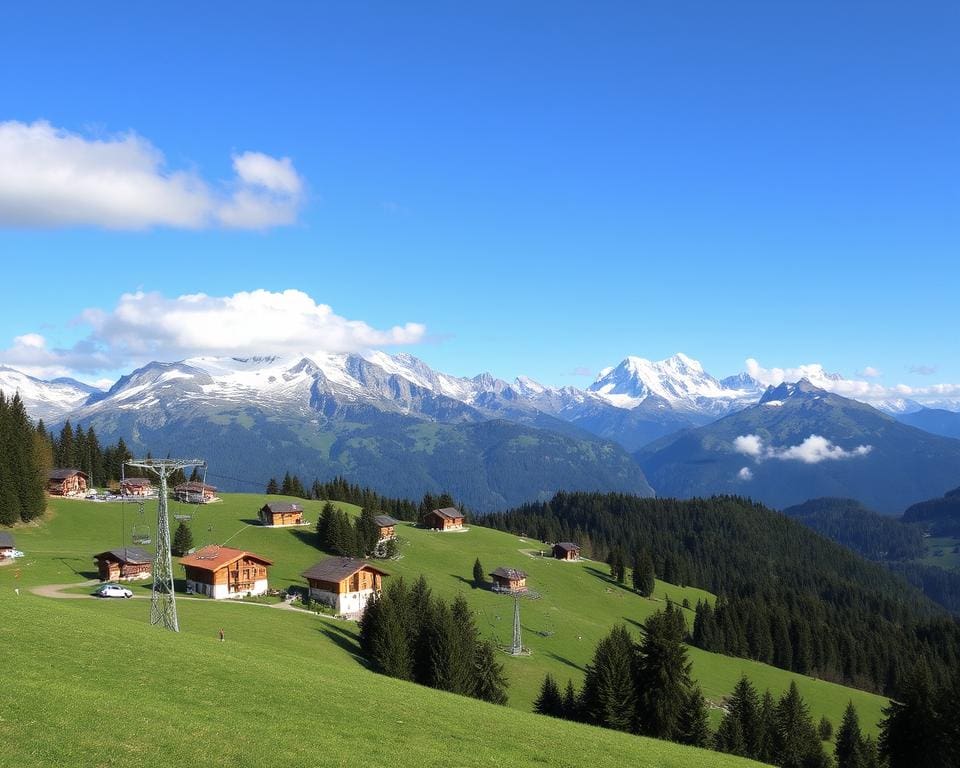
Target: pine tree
{"x":662,"y":674}
{"x":643,"y":575}
{"x":909,"y":732}
{"x":609,"y":697}
{"x":729,"y":736}
{"x":286,"y":488}
{"x":549,"y":701}
{"x":182,"y":540}
{"x":367,"y":534}
{"x":744,"y":706}
{"x":767,"y":729}
{"x":825,"y":729}
{"x":325,"y":527}
{"x":848,"y":748}
{"x":797,"y":742}
{"x":479,"y":577}
{"x":693,"y":727}
{"x":571,"y":710}
{"x":451,"y":669}
{"x":490,"y":683}
{"x":272,"y":487}
{"x":389,"y":641}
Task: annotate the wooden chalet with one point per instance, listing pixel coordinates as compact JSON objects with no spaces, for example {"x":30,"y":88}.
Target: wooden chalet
{"x":345,"y":584}
{"x":194,"y":493}
{"x":386,"y":527}
{"x":124,"y":563}
{"x":281,"y":513}
{"x":136,"y":486}
{"x":509,"y":580}
{"x":566,"y":550}
{"x":446,"y":519}
{"x":66,"y":482}
{"x":6,"y":545}
{"x":222,"y":572}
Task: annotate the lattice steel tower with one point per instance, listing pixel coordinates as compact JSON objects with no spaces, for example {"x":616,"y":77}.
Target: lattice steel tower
{"x":516,"y":648}
{"x":163,"y":606}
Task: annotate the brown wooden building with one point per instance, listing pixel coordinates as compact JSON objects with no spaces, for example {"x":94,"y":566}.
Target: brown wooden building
{"x":344,"y":583}
{"x":136,"y":486}
{"x":6,"y":545}
{"x":509,"y":580}
{"x":125,"y":563}
{"x":446,"y":519}
{"x":222,"y":572}
{"x":566,"y":550}
{"x":386,"y":527}
{"x":66,"y":482}
{"x":194,"y":493}
{"x":281,"y":513}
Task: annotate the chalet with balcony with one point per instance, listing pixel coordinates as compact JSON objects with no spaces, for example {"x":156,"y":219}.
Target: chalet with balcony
{"x":66,"y":482}
{"x":446,"y":519}
{"x":194,"y":493}
{"x":222,"y":572}
{"x":566,"y":550}
{"x":6,"y":545}
{"x":345,"y":584}
{"x":124,"y":563}
{"x":509,"y":580}
{"x":386,"y":527}
{"x":136,"y":486}
{"x":281,"y":513}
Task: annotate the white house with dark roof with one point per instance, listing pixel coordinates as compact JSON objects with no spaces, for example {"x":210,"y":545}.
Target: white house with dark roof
{"x":6,"y":545}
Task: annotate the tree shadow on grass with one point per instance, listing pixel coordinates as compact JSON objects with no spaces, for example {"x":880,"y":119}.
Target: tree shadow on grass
{"x":70,"y":562}
{"x":468,"y":582}
{"x":565,"y":660}
{"x":606,"y":578}
{"x":307,"y":536}
{"x":345,"y":641}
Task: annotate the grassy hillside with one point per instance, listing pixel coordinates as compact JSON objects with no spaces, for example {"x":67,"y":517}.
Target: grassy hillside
{"x":576,"y":607}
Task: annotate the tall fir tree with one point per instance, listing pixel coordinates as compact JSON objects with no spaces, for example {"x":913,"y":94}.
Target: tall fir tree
{"x":479,"y":577}
{"x":910,"y":730}
{"x":693,"y":727}
{"x":798,"y":745}
{"x":609,"y":695}
{"x":490,"y":682}
{"x":642,"y":573}
{"x":662,"y":674}
{"x":549,"y":701}
{"x":849,"y":743}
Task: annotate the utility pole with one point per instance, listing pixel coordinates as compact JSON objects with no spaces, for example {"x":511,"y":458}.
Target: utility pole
{"x":163,"y":606}
{"x":516,"y":649}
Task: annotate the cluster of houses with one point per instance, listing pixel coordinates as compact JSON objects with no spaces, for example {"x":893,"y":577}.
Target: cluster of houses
{"x":73,"y":483}
{"x":343,"y":583}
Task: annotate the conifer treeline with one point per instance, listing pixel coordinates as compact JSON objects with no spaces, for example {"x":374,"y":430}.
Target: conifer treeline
{"x":79,"y":448}
{"x":25,"y":458}
{"x":787,"y":596}
{"x":337,"y":534}
{"x":409,"y":634}
{"x":339,"y":489}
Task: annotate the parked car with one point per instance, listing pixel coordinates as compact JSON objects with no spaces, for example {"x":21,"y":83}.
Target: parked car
{"x":113,"y":590}
{"x":16,"y":553}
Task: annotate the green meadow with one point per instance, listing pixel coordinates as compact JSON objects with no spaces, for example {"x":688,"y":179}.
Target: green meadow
{"x":297,"y":668}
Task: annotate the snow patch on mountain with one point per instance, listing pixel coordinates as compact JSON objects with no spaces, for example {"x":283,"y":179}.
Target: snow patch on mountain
{"x":47,"y":400}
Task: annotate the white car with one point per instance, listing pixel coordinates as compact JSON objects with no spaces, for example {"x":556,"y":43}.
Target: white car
{"x":113,"y":590}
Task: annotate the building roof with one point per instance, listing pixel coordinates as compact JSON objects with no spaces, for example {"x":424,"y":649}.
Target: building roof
{"x":64,"y":474}
{"x":126,"y":555}
{"x":511,"y":574}
{"x":338,"y":569}
{"x":451,"y":513}
{"x":385,"y":521}
{"x":284,"y":506}
{"x":6,"y":539}
{"x":568,"y":546}
{"x":193,"y":485}
{"x":136,"y":481}
{"x":214,"y":558}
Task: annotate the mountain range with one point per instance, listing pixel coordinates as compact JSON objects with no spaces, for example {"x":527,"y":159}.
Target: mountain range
{"x":393,"y":422}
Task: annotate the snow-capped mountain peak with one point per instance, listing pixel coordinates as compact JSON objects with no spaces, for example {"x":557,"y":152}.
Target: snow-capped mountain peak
{"x":47,"y":400}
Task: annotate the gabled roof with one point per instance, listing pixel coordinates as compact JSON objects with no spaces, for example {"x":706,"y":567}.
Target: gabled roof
{"x":385,"y":521}
{"x":6,"y":539}
{"x":568,"y":546}
{"x":338,"y":569}
{"x":511,"y":574}
{"x":193,"y":485}
{"x":126,"y":555}
{"x":64,"y":474}
{"x":135,"y":481}
{"x":277,"y":508}
{"x":213,"y":558}
{"x":451,"y":513}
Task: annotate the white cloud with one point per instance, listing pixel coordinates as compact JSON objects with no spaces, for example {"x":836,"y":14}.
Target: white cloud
{"x":813,"y":450}
{"x":870,"y":372}
{"x":857,"y":389}
{"x":748,"y":445}
{"x":149,"y":326}
{"x":50,"y":177}
{"x":745,"y":474}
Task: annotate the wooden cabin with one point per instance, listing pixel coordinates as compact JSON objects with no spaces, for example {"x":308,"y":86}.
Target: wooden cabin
{"x":194,"y":493}
{"x":566,"y":550}
{"x":222,"y":572}
{"x":345,"y":584}
{"x":6,"y":545}
{"x":386,"y":527}
{"x":446,"y":519}
{"x":66,"y":482}
{"x":281,"y":513}
{"x":509,"y":580}
{"x":124,"y":563}
{"x":135,"y":486}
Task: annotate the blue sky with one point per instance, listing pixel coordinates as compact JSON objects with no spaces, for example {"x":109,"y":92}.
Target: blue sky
{"x":546,"y":187}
